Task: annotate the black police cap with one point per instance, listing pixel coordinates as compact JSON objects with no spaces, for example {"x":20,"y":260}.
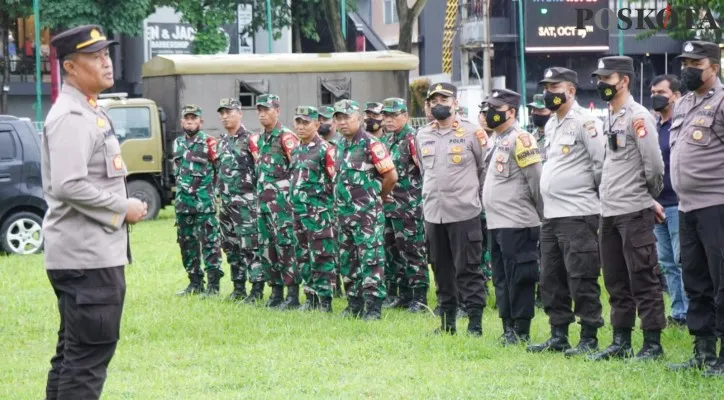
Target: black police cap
{"x":443,"y":88}
{"x":614,"y":64}
{"x":499,"y":97}
{"x":697,"y":50}
{"x":559,"y":74}
{"x":81,"y":39}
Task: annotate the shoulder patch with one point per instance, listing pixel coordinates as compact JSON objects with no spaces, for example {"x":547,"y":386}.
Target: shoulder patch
{"x":590,"y":127}
{"x":526,"y":151}
{"x":639,"y":128}
{"x":482,"y":138}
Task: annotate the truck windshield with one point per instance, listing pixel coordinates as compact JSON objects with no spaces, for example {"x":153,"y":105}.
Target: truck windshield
{"x":131,"y":122}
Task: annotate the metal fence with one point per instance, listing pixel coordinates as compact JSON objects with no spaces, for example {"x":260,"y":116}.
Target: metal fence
{"x":418,"y":122}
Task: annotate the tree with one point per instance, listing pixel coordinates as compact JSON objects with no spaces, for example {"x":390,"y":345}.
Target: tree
{"x":206,"y":17}
{"x":407,"y":17}
{"x":114,"y":16}
{"x":10,"y":12}
{"x":685,"y":13}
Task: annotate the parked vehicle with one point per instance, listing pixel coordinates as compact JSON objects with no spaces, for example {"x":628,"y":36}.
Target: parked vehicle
{"x":22,"y":206}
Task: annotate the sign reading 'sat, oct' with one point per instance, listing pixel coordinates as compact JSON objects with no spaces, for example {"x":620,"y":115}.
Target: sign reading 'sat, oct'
{"x":550,"y":26}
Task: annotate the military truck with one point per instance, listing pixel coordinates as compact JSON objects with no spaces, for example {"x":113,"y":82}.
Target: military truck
{"x":146,"y":146}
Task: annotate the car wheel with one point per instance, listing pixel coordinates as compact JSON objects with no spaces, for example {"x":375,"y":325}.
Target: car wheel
{"x":145,"y":191}
{"x":22,"y":233}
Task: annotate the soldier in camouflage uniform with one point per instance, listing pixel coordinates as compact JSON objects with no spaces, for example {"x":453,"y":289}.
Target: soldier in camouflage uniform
{"x":195,"y":203}
{"x":312,"y":197}
{"x":359,"y":192}
{"x":328,"y":131}
{"x":374,"y":122}
{"x":462,"y":111}
{"x":404,"y":227}
{"x":276,"y":224}
{"x":236,"y":188}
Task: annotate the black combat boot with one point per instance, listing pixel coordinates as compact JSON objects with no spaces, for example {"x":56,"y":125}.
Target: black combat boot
{"x":256,"y":294}
{"x":447,"y":322}
{"x":239,"y":292}
{"x":391,"y":294}
{"x":437,"y":311}
{"x":620,"y":348}
{"x":558,"y":341}
{"x":277,"y":297}
{"x":651,"y":350}
{"x":338,"y":286}
{"x":508,"y":337}
{"x":214,"y":277}
{"x":196,"y":285}
{"x":522,"y":330}
{"x":325,"y":304}
{"x":355,"y":307}
{"x":373,"y":308}
{"x":404,"y":299}
{"x":587,"y":344}
{"x":292,"y":301}
{"x":704,"y":355}
{"x":716,"y":369}
{"x":462,"y":311}
{"x":475,"y":321}
{"x":312,"y":302}
{"x":419,"y":300}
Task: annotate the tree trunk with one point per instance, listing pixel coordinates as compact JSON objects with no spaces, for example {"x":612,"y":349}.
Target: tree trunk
{"x":331,"y":10}
{"x":407,"y":17}
{"x":296,"y":36}
{"x":6,"y":62}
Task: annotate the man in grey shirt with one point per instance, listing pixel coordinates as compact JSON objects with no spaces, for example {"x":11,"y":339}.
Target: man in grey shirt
{"x":568,"y":240}
{"x":632,"y":176}
{"x":513,"y":208}
{"x":451,"y":151}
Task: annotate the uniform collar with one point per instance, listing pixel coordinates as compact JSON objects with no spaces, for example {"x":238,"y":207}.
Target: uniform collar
{"x":73,"y":92}
{"x":455,"y":124}
{"x":714,"y":89}
{"x":275,"y":130}
{"x":512,"y":128}
{"x":626,"y":105}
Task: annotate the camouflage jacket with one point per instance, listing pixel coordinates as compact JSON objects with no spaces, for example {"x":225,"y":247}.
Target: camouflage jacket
{"x":195,"y":162}
{"x":407,"y":193}
{"x":273,"y":152}
{"x":313,"y":172}
{"x":237,"y":177}
{"x":360,"y":163}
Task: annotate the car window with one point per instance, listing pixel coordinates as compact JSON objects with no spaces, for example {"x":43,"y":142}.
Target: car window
{"x":8,"y":147}
{"x":131,"y":122}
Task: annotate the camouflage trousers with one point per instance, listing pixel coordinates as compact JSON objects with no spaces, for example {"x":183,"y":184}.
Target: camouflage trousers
{"x":406,"y":252}
{"x":277,"y":244}
{"x":195,"y":229}
{"x":361,"y":253}
{"x":240,"y":241}
{"x":316,"y":250}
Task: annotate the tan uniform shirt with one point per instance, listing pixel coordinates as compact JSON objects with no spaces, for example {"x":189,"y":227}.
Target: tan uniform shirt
{"x":575,"y":147}
{"x":512,"y":183}
{"x":84,"y":185}
{"x":453,"y":171}
{"x":633,"y":174}
{"x":697,"y":150}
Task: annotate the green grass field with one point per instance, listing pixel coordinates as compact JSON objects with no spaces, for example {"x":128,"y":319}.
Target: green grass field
{"x":179,"y":348}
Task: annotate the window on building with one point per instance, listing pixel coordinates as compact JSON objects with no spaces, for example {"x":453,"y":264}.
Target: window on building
{"x":390,"y":12}
{"x":332,"y":90}
{"x":249,"y":90}
{"x":8,"y":149}
{"x":131,"y":122}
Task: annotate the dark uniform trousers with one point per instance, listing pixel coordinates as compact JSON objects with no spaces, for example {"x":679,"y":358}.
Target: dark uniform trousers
{"x":514,"y":261}
{"x":628,"y":252}
{"x":570,"y":267}
{"x":701,"y":233}
{"x":455,"y":250}
{"x":90,"y":302}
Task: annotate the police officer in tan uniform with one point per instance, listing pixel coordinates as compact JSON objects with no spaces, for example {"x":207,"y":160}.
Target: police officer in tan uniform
{"x":697,"y":176}
{"x":86,"y":225}
{"x":513,"y":208}
{"x":632,"y":177}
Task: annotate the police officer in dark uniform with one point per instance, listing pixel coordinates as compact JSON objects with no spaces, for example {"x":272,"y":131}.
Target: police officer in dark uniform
{"x":86,"y":225}
{"x":697,"y":176}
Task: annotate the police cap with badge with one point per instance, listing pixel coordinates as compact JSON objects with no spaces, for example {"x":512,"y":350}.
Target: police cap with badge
{"x":81,"y":39}
{"x":698,"y":50}
{"x":615,"y":64}
{"x":442,"y":88}
{"x":501,"y":97}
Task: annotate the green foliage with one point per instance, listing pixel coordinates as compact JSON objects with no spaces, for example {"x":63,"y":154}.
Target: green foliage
{"x":206,"y":17}
{"x":113,"y":15}
{"x":418,"y":92}
{"x":681,"y":30}
{"x":15,"y":9}
{"x":306,"y":13}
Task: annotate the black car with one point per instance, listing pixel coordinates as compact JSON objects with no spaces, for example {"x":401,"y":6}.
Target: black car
{"x":22,"y":206}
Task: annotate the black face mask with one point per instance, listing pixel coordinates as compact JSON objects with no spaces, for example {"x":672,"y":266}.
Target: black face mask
{"x":607,"y":91}
{"x":441,"y":112}
{"x":492,"y":121}
{"x":659,"y":103}
{"x":191,"y":132}
{"x":372,"y":125}
{"x":691,"y":77}
{"x":325,"y":129}
{"x":540,"y":120}
{"x":554,"y":101}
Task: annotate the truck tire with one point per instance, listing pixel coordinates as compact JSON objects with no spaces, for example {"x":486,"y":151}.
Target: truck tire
{"x":144,"y":191}
{"x":22,"y":233}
